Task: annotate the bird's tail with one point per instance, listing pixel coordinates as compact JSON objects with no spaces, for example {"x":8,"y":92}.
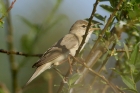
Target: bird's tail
{"x":38,"y":71}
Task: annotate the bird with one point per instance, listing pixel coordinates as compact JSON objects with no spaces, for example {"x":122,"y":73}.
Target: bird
{"x":60,"y":51}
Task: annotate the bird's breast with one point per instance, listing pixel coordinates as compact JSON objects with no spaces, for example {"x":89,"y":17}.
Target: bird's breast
{"x":73,"y":50}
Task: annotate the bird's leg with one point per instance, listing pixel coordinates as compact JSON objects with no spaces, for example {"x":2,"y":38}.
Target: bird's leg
{"x":70,"y":61}
{"x":76,"y":59}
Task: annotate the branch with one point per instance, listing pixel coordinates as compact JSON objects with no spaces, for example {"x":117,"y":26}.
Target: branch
{"x":20,"y":53}
{"x":83,"y":41}
{"x":103,"y":31}
{"x":88,"y":26}
{"x":39,"y":55}
{"x":10,"y":7}
{"x":123,"y":50}
{"x":10,"y":46}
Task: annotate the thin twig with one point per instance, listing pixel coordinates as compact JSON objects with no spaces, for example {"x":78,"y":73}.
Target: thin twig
{"x":10,"y":7}
{"x":88,"y":26}
{"x":123,"y":50}
{"x":50,"y":83}
{"x":20,"y":53}
{"x":39,"y":55}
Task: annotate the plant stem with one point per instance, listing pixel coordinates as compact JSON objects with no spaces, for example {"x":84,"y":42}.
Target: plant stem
{"x":10,"y":47}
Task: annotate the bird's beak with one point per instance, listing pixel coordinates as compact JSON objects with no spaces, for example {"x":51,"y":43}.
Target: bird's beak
{"x":93,"y":28}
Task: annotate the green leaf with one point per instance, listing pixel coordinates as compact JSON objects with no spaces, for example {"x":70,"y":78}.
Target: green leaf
{"x":1,"y":23}
{"x":132,"y":67}
{"x":76,"y":85}
{"x":137,"y":1}
{"x":126,"y":50}
{"x":114,"y":3}
{"x":55,"y":22}
{"x":134,"y":55}
{"x":95,"y":22}
{"x":27,"y":22}
{"x":116,"y":56}
{"x":136,"y":33}
{"x":117,"y":71}
{"x":107,"y":8}
{"x":26,"y":41}
{"x":53,"y":11}
{"x":128,"y":82}
{"x":100,"y":17}
{"x":2,"y":8}
{"x":126,"y":79}
{"x":73,"y":78}
{"x":117,"y":40}
{"x":132,"y":90}
{"x":35,"y":27}
{"x":137,"y":77}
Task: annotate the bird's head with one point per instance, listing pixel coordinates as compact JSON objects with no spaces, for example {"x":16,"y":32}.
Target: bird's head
{"x":80,"y":26}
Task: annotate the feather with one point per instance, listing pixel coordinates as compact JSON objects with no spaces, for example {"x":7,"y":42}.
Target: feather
{"x":39,"y":70}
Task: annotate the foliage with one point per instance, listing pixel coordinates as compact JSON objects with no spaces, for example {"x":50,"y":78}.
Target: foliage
{"x":2,"y":12}
{"x":128,"y":66}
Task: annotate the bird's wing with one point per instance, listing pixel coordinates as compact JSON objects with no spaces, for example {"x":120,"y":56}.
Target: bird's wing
{"x":61,"y":47}
{"x":70,"y":41}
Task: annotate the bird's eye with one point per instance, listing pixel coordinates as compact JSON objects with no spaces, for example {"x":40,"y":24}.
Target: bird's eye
{"x":83,"y":26}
